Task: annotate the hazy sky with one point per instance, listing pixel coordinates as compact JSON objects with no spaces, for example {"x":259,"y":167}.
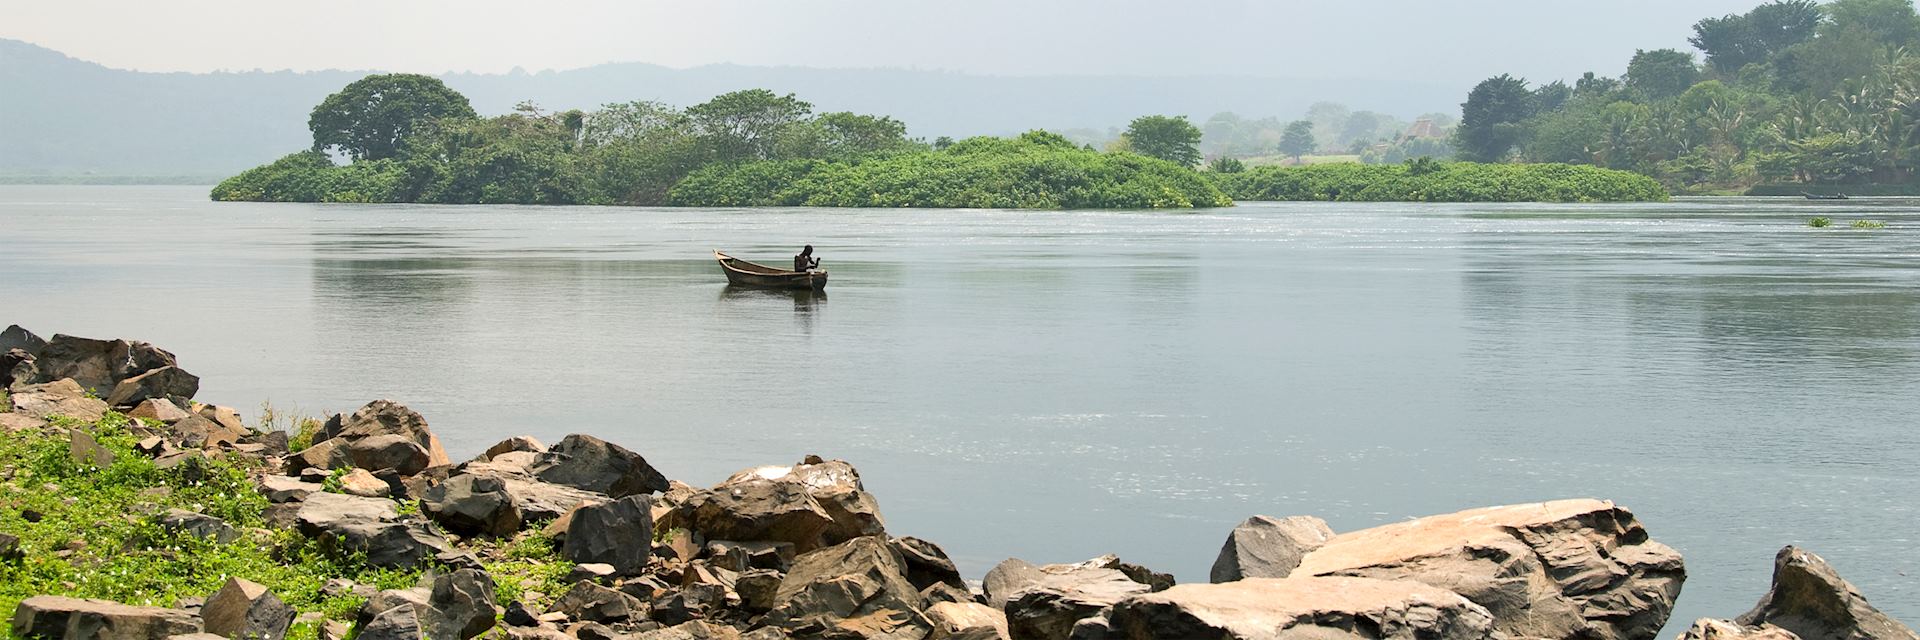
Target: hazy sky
{"x":1449,"y":41}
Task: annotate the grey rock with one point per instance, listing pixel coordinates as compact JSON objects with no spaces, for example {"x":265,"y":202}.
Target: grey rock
{"x":57,"y":398}
{"x":16,"y":337}
{"x":473,"y":505}
{"x":927,"y":563}
{"x":386,"y":417}
{"x":158,"y":409}
{"x":858,"y":587}
{"x":198,"y":525}
{"x":199,"y":432}
{"x":758,"y":589}
{"x":351,"y":524}
{"x":62,"y":618}
{"x":1811,"y":600}
{"x":398,"y":623}
{"x":1266,"y":547}
{"x":459,"y":605}
{"x":97,"y":365}
{"x":86,"y":451}
{"x":591,"y":464}
{"x":165,"y":383}
{"x":617,"y":533}
{"x":246,"y":610}
{"x":387,"y":451}
{"x":1049,"y":606}
{"x":524,"y":444}
{"x":283,"y":489}
{"x":590,"y":602}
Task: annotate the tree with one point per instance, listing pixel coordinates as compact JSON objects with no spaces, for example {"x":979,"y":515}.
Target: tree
{"x":1551,"y":96}
{"x":1661,"y":73}
{"x":1756,"y":37}
{"x":1298,"y":141}
{"x":1169,"y":138}
{"x":1226,"y":165}
{"x":1892,"y":22}
{"x":373,"y":117}
{"x":1490,"y":119}
{"x":745,"y":125}
{"x":842,"y":135}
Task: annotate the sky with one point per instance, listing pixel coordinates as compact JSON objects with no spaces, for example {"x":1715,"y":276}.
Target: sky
{"x":1449,"y":41}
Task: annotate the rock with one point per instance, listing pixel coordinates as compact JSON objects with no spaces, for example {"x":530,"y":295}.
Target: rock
{"x":415,"y":599}
{"x":246,"y":610}
{"x":524,"y":444}
{"x":397,"y":623}
{"x":224,"y":416}
{"x":97,"y":365}
{"x":518,"y":614}
{"x":755,"y":509}
{"x":1007,"y":579}
{"x":1301,"y":607}
{"x":756,"y":555}
{"x":86,"y":451}
{"x":966,"y":621}
{"x":617,"y":533}
{"x":358,"y":482}
{"x":165,"y":383}
{"x":386,"y":417}
{"x":590,"y":602}
{"x":473,"y":505}
{"x":1564,"y":569}
{"x":1710,"y":629}
{"x":281,"y":489}
{"x":695,"y":630}
{"x":1264,"y":547}
{"x":857,"y":588}
{"x":591,"y":631}
{"x":596,"y":572}
{"x":1050,"y":602}
{"x":591,"y":464}
{"x":460,"y":605}
{"x":1811,"y":600}
{"x":57,"y":617}
{"x":159,"y":409}
{"x":198,"y":525}
{"x":325,"y":454}
{"x":1154,"y":580}
{"x":58,"y":398}
{"x":388,"y":451}
{"x":927,"y":563}
{"x":758,"y":589}
{"x":199,"y":432}
{"x":15,"y":337}
{"x":351,"y":524}
{"x":11,"y":422}
{"x":10,"y":552}
{"x":943,"y":592}
{"x":688,"y":604}
{"x":16,"y":365}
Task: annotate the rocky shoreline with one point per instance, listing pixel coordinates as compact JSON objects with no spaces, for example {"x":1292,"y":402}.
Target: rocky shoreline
{"x":787,"y":551}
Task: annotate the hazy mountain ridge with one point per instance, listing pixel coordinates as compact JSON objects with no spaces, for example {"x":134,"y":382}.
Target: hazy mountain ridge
{"x":66,"y":116}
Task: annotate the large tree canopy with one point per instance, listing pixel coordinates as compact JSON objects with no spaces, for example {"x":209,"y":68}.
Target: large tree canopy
{"x":745,"y":125}
{"x":1661,"y":73}
{"x":1490,"y":118}
{"x":1298,"y":140}
{"x":1757,"y":36}
{"x":372,"y":118}
{"x":1165,"y":137}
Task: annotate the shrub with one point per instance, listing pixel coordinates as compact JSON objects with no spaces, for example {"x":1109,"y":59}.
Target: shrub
{"x":1425,"y":180}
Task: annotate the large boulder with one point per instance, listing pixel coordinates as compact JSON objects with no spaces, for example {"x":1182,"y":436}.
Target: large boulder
{"x":1045,"y":602}
{"x":617,"y":533}
{"x":1710,"y":629}
{"x":1263,"y":608}
{"x":15,"y":337}
{"x":396,"y":623}
{"x":459,"y":605}
{"x":97,"y":365}
{"x":1565,"y":569}
{"x":589,"y":602}
{"x":591,"y":464}
{"x":1811,"y":600}
{"x":927,"y":564}
{"x":392,"y":452}
{"x":165,"y":411}
{"x":386,"y":417}
{"x":966,"y":621}
{"x":62,"y":618}
{"x":57,"y":398}
{"x":1265,"y":547}
{"x":1006,"y":580}
{"x":856,"y":589}
{"x":197,"y":431}
{"x":246,"y":610}
{"x":371,"y":526}
{"x":473,"y":505}
{"x":812,"y":505}
{"x":17,"y":365}
{"x":165,"y":383}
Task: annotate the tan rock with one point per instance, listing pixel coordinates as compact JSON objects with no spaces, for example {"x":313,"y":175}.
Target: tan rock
{"x":1300,"y":607}
{"x":158,"y":409}
{"x":62,"y":617}
{"x":1563,"y":569}
{"x":59,"y":398}
{"x":1711,"y":629}
{"x":1812,"y":601}
{"x":966,"y":621}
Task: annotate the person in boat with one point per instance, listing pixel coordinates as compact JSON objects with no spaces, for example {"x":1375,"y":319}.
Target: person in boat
{"x":805,"y":261}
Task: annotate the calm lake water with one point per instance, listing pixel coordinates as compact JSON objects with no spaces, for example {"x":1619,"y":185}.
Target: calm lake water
{"x":1058,"y":385}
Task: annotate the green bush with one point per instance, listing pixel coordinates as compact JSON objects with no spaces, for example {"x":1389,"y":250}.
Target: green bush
{"x":1035,"y":171}
{"x":1430,"y":181}
{"x":310,"y":176}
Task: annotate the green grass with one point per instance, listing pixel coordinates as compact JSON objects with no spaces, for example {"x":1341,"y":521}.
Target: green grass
{"x":530,"y":563}
{"x":105,"y":517}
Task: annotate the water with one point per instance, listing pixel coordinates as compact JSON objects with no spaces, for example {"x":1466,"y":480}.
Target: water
{"x":1059,"y":385}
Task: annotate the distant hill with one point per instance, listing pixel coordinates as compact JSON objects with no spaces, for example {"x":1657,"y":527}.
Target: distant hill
{"x":61,"y":116}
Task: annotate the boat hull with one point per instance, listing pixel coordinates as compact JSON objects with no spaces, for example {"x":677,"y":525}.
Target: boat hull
{"x":741,"y":273}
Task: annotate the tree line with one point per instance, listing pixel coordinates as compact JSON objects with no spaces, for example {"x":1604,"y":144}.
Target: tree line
{"x":1793,"y":91}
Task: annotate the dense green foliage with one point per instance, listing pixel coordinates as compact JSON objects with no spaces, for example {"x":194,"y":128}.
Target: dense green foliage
{"x":373,"y":117}
{"x":1430,"y":181}
{"x":1169,"y":138}
{"x":1791,"y":92}
{"x":1298,"y":140}
{"x":1038,"y":170}
{"x":750,"y":146}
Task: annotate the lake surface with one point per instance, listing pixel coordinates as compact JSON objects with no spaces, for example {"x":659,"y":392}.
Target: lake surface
{"x":1058,"y":385}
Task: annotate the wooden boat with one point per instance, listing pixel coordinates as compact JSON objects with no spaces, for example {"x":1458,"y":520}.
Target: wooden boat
{"x":747,"y":274}
{"x":1816,"y":196}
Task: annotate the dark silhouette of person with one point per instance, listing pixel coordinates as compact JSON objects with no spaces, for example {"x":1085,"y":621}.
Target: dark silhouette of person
{"x":805,"y":261}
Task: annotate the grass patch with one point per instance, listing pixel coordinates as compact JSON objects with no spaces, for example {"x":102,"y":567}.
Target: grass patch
{"x":90,"y":532}
{"x":529,"y":563}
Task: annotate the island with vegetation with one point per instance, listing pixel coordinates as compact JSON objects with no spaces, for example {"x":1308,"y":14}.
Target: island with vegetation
{"x":1793,"y":96}
{"x":410,"y":138}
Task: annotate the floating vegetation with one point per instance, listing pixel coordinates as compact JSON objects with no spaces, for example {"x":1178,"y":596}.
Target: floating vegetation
{"x":1869,"y":224}
{"x":1820,"y":223}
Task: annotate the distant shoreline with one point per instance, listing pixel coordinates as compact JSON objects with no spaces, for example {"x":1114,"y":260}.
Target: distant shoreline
{"x":111,"y":180}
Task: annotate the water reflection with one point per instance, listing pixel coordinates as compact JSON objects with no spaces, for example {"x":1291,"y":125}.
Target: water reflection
{"x":807,"y":303}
